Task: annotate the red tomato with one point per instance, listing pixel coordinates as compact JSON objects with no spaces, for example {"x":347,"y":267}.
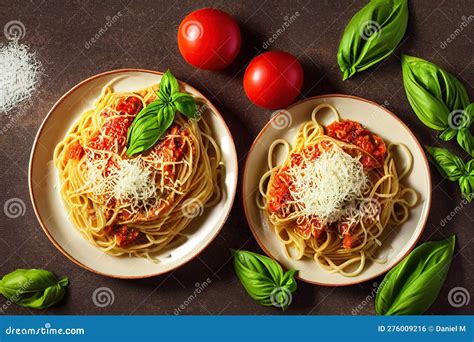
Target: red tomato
{"x":273,"y":79}
{"x":209,"y":39}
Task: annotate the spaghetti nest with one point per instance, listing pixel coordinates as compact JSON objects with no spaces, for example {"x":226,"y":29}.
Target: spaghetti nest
{"x":136,"y":205}
{"x":337,"y":191}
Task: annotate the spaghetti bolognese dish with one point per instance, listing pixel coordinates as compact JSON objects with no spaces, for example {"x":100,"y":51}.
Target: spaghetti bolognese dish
{"x":137,"y":168}
{"x":338,"y":189}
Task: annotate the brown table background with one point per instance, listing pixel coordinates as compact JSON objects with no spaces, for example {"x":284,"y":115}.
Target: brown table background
{"x":145,"y":37}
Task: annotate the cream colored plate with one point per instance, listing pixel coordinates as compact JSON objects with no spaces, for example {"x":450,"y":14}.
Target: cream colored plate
{"x":49,"y":208}
{"x":375,"y":118}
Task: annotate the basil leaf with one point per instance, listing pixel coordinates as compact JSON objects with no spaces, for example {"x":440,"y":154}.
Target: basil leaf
{"x":33,"y":288}
{"x":468,"y":116}
{"x":264,"y":279}
{"x":168,"y":86}
{"x":466,"y":140}
{"x":148,"y":127}
{"x":466,"y":182}
{"x":448,"y":164}
{"x":185,"y":104}
{"x":433,"y":94}
{"x":412,"y":286}
{"x":372,"y":35}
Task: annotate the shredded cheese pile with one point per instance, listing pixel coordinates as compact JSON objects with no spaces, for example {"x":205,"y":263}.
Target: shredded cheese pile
{"x":328,"y":187}
{"x":128,"y":181}
{"x":20,"y":73}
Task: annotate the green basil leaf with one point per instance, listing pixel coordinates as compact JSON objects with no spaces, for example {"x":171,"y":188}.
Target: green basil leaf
{"x":264,"y":279}
{"x":412,"y":286}
{"x":468,"y":117}
{"x":372,"y":35}
{"x":466,"y":182}
{"x":168,"y":86}
{"x":185,"y":104}
{"x":466,"y":140}
{"x":433,"y":93}
{"x":447,"y":163}
{"x":33,"y":288}
{"x":148,"y":127}
{"x":448,"y":134}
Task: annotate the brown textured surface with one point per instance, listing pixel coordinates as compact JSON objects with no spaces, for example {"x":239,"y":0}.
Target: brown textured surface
{"x":145,"y":37}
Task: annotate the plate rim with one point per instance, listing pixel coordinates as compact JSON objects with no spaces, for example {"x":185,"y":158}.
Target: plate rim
{"x":33,"y":152}
{"x":264,"y":129}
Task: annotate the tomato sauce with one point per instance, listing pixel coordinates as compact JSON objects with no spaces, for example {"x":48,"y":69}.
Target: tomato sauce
{"x":75,"y":152}
{"x":113,"y":135}
{"x":124,"y":235}
{"x":354,"y":133}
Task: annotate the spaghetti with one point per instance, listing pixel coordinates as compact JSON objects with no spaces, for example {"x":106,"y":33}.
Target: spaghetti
{"x":138,"y":205}
{"x":336,"y":192}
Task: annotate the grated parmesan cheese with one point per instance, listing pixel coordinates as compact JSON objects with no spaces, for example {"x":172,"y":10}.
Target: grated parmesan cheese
{"x":19,"y":74}
{"x":128,"y":181}
{"x":330,"y":186}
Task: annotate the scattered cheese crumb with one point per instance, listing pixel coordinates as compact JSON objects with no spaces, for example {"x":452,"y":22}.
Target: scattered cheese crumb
{"x":20,"y":73}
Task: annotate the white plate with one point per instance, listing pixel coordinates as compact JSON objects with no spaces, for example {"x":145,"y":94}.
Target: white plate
{"x":50,"y":210}
{"x":377,"y":119}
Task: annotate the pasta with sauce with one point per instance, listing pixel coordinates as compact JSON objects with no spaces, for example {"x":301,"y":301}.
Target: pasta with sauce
{"x":136,"y":205}
{"x":336,"y":192}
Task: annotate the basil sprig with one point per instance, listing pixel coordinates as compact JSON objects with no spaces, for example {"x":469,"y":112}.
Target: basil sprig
{"x":454,"y":169}
{"x":154,"y":120}
{"x":372,"y":35}
{"x":412,"y":286}
{"x":264,"y":279}
{"x":33,"y":288}
{"x":438,"y":99}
